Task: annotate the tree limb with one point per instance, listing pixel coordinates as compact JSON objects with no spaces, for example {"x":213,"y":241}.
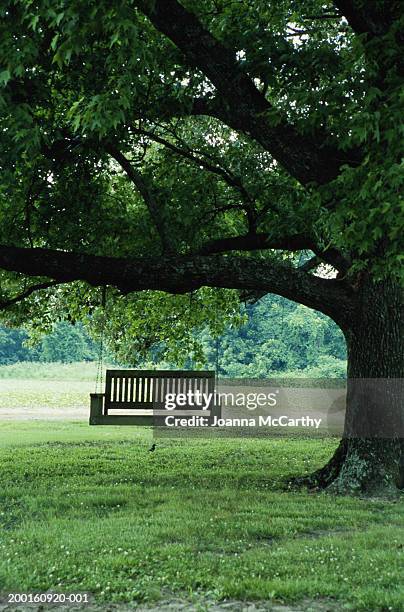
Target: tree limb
{"x":260,"y":241}
{"x":253,"y":242}
{"x":4,"y":304}
{"x":241,"y":105}
{"x":181,"y":274}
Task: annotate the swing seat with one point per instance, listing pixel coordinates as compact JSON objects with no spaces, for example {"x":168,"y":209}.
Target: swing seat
{"x":138,"y":397}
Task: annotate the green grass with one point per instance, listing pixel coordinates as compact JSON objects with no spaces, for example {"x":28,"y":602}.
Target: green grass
{"x":91,"y":509}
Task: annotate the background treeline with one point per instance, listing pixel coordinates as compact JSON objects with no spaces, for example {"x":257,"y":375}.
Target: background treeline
{"x":279,"y":336}
{"x":66,"y":344}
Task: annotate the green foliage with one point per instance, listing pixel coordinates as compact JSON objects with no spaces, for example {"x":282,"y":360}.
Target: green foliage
{"x":279,"y":336}
{"x":107,"y":64}
{"x":159,"y":326}
{"x":272,"y":336}
{"x":66,"y":344}
{"x":11,"y":345}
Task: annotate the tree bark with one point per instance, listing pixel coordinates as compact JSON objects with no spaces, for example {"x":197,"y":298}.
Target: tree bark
{"x":182,"y":274}
{"x":370,"y":457}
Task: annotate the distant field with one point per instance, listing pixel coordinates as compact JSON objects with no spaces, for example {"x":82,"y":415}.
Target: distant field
{"x":33,"y":386}
{"x":30,"y":386}
{"x":32,"y":394}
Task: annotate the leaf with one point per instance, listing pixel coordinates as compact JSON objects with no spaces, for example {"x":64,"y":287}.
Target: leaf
{"x":34,"y":22}
{"x":54,"y":42}
{"x":59,"y":18}
{"x":5,"y":77}
{"x":114,"y":39}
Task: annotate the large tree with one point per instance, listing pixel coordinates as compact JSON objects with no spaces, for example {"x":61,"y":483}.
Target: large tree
{"x":252,"y":145}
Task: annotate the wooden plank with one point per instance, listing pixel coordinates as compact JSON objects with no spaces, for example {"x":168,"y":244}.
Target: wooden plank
{"x":124,"y":420}
{"x":164,"y":390}
{"x":96,"y":407}
{"x":144,"y":384}
{"x":162,"y":373}
{"x":155,"y":389}
{"x":131,"y":405}
{"x":108,"y":391}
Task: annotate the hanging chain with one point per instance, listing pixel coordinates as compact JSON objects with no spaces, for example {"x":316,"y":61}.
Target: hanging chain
{"x":100,"y":364}
{"x":217,"y":345}
{"x":100,"y":367}
{"x":217,"y":361}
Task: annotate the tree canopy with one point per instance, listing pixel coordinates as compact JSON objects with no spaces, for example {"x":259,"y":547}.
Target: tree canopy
{"x":159,"y":145}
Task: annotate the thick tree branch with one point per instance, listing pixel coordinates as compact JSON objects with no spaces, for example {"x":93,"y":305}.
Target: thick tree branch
{"x":248,"y":242}
{"x":261,"y":241}
{"x":183,"y":274}
{"x":241,"y":105}
{"x":4,"y":304}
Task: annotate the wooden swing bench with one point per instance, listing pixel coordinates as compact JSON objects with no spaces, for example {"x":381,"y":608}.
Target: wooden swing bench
{"x":143,"y":392}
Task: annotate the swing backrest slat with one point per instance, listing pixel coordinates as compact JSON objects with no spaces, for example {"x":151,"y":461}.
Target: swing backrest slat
{"x":146,"y":389}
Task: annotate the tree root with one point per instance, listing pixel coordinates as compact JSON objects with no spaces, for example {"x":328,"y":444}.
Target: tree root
{"x":357,"y":468}
{"x":322,"y":478}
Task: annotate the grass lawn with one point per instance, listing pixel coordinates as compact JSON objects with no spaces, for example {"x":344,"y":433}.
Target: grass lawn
{"x":90,"y":509}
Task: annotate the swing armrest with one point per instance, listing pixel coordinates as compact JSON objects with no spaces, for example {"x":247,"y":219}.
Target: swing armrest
{"x":96,"y":407}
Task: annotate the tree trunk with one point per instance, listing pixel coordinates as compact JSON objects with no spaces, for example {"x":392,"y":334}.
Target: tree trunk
{"x":370,"y":457}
